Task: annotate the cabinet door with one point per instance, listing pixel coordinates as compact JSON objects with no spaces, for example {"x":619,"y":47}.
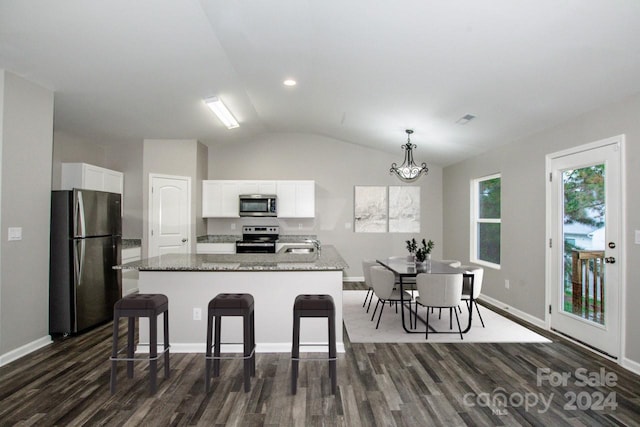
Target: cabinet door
{"x":286,"y":192}
{"x":112,"y":181}
{"x":219,"y":199}
{"x":93,"y":178}
{"x":305,"y":199}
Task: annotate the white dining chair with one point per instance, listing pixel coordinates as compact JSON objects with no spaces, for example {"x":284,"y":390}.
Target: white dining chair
{"x":478,"y":275}
{"x":366,"y":272}
{"x":383,"y":281}
{"x":439,"y":291}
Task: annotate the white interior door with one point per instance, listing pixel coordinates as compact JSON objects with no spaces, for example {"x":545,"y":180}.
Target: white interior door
{"x":169,"y":214}
{"x":584,"y":254}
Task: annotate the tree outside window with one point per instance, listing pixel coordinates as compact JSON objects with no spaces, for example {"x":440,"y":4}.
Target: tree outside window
{"x":485,"y":230}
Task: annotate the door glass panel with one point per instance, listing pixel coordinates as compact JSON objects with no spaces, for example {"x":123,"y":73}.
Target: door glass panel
{"x":584,"y":238}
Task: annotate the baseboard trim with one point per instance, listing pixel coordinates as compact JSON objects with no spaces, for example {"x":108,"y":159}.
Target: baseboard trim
{"x":540,"y":323}
{"x":24,"y":350}
{"x":353,"y":279}
{"x":630,"y":365}
{"x":237,"y":348}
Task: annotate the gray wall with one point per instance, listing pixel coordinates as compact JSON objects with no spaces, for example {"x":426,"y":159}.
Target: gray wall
{"x":178,"y":157}
{"x":336,"y":167}
{"x":26,"y":138}
{"x":522,"y":165}
{"x":125,"y":157}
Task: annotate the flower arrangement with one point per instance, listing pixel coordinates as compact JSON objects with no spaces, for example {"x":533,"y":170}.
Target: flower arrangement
{"x":412,"y":246}
{"x":424,"y":251}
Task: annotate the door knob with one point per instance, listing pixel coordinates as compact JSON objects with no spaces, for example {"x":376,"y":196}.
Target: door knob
{"x":610,"y":260}
{"x":184,"y":240}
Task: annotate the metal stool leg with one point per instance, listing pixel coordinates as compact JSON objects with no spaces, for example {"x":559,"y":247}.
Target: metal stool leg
{"x":131,"y":327}
{"x":153,"y":354}
{"x":295,"y":353}
{"x":216,"y":346}
{"x":166,"y":344}
{"x":207,"y":363}
{"x":246,"y":328}
{"x":114,"y":353}
{"x":332,"y":352}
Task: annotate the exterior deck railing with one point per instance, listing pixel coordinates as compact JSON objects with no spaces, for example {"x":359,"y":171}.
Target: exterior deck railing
{"x":587,"y":279}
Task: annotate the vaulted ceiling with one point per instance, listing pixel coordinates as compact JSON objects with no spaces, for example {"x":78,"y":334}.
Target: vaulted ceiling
{"x":367,"y":70}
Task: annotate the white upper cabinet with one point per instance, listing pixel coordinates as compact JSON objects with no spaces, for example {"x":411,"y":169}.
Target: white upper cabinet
{"x":220,"y":199}
{"x":90,"y":177}
{"x":256,"y":187}
{"x":296,"y":199}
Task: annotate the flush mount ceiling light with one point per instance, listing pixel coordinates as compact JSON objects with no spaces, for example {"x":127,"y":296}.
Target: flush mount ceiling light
{"x":223,"y":113}
{"x":408,"y":171}
{"x":289,"y":82}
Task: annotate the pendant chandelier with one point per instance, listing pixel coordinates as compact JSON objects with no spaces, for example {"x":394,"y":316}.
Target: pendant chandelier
{"x":408,"y":171}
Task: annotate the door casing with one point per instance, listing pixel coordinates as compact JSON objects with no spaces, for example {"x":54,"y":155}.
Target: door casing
{"x":621,"y":258}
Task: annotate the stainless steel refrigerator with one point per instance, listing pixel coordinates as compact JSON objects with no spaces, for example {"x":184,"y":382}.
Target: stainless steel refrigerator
{"x":86,"y":228}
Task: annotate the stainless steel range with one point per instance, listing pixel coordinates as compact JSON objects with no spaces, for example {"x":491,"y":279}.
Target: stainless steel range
{"x":258,"y":239}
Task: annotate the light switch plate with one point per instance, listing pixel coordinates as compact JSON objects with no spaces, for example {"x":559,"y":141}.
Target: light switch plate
{"x":15,"y":233}
{"x":637,"y":237}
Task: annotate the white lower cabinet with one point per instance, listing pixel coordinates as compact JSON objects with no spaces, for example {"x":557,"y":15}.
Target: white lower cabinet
{"x":130,"y":277}
{"x":216,"y":248}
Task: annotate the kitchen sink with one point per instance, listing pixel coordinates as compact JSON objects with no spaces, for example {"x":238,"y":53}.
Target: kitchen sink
{"x":300,"y":250}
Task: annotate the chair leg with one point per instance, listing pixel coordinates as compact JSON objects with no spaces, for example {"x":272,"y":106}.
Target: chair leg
{"x":380,"y":315}
{"x":439,"y":313}
{"x":370,"y":299}
{"x":366,"y":297}
{"x":153,"y":353}
{"x":375,"y":309}
{"x":479,"y":315}
{"x":458,"y":322}
{"x":450,"y":318}
{"x":426,"y":334}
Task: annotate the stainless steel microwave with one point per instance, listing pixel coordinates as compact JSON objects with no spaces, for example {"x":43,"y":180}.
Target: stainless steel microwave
{"x":258,"y":205}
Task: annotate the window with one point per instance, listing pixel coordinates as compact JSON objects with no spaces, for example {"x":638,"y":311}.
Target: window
{"x":486,"y":221}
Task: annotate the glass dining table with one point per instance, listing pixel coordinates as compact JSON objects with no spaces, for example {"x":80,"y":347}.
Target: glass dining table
{"x":405,"y":269}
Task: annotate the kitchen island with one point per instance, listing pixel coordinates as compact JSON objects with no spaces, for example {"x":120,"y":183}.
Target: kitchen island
{"x":191,"y":281}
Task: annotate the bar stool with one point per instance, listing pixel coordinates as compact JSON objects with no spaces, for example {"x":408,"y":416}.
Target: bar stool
{"x":231,"y":305}
{"x":132,"y":307}
{"x":313,"y":306}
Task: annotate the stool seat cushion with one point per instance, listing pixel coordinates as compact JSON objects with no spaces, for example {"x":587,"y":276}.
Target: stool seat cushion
{"x":313,"y":302}
{"x":142,"y":302}
{"x":231,"y":301}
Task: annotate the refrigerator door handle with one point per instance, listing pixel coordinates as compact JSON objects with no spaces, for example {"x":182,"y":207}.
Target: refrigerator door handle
{"x":79,"y":216}
{"x":79,"y":261}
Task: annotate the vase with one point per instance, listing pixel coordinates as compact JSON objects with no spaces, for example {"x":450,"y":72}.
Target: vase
{"x":411,"y":258}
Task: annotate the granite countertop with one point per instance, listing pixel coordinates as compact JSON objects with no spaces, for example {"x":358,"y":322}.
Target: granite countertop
{"x":131,"y":243}
{"x":328,"y":259}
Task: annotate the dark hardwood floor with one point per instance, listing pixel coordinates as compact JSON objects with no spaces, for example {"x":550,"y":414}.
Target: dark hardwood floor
{"x":67,"y":383}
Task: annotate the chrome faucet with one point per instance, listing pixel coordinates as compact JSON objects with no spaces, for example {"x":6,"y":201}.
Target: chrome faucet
{"x":315,"y":243}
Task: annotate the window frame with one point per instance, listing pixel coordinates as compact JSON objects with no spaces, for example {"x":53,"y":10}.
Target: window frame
{"x":475,"y":221}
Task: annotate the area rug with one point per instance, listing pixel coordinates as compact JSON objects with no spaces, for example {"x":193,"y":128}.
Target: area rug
{"x":361,"y":329}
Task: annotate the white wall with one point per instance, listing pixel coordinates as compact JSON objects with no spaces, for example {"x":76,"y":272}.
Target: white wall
{"x":179,"y":157}
{"x":125,"y":157}
{"x":337,"y":167}
{"x":522,"y":165}
{"x":26,"y":138}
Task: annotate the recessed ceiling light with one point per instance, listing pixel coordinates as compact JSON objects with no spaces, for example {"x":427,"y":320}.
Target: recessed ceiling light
{"x":289,"y":82}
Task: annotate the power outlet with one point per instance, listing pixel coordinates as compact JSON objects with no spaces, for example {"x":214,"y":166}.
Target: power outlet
{"x":233,"y":225}
{"x":506,"y":284}
{"x":197,"y":313}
